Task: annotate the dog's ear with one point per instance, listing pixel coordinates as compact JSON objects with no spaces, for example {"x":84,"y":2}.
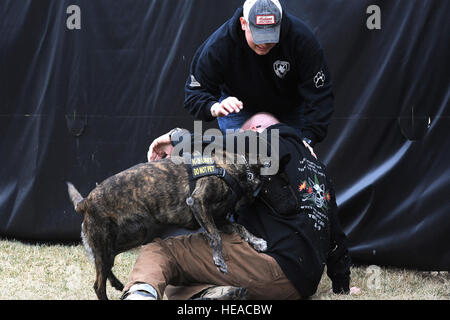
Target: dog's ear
{"x":284,"y":162}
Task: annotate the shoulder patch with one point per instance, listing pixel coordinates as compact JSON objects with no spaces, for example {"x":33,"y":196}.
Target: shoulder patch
{"x":194,"y":83}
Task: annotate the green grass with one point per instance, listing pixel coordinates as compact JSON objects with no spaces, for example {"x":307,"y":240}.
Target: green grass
{"x":57,"y":272}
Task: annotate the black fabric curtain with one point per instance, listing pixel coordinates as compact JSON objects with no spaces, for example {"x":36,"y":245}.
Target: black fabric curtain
{"x":82,"y":95}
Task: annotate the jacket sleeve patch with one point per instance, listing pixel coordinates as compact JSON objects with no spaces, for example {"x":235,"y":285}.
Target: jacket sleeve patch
{"x":194,"y":83}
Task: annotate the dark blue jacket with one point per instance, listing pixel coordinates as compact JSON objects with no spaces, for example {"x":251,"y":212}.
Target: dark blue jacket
{"x":292,"y":76}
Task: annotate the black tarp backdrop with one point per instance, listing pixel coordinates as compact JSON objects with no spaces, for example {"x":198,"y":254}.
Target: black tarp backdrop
{"x":81,"y":105}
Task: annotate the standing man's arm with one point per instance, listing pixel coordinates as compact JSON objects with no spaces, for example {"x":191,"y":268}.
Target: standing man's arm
{"x":202,"y":89}
{"x":316,"y":88}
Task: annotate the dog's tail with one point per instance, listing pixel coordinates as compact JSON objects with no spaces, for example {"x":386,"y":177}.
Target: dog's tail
{"x":76,"y":197}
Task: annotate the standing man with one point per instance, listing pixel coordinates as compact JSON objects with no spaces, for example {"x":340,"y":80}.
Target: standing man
{"x":262,"y":60}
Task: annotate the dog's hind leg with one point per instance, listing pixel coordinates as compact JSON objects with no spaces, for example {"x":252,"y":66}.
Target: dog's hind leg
{"x":110,"y":256}
{"x":102,"y":271}
{"x":103,"y":265}
{"x":104,"y":261}
{"x":258,"y":244}
{"x":206,"y":221}
{"x":114,"y":281}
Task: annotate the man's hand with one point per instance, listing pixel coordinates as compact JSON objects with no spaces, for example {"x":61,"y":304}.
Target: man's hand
{"x":227,"y":106}
{"x":310,"y":149}
{"x":160,"y":148}
{"x":355,"y":290}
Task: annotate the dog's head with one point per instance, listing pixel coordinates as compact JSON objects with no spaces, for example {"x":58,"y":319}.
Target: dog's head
{"x":275,"y":190}
{"x":277,"y":193}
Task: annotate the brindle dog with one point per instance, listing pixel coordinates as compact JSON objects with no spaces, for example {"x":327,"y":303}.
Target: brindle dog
{"x":135,"y":206}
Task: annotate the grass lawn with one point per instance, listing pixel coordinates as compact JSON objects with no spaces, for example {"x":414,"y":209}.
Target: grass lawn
{"x":57,"y":272}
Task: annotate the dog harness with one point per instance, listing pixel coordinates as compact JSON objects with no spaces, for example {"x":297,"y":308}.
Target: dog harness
{"x":204,"y":167}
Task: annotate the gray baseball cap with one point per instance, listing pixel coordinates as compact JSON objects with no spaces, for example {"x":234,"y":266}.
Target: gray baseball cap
{"x":264,"y":19}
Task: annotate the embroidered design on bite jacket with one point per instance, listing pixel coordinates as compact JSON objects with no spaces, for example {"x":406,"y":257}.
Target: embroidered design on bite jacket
{"x":315,"y":193}
{"x":315,"y":197}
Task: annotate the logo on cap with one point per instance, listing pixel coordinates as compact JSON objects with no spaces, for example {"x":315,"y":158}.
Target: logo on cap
{"x":265,"y":20}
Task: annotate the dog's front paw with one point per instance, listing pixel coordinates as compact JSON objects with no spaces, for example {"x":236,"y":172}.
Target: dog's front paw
{"x":259,"y":245}
{"x":220,"y":263}
{"x":223,"y":268}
